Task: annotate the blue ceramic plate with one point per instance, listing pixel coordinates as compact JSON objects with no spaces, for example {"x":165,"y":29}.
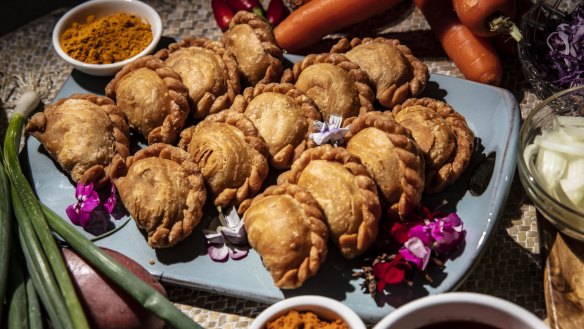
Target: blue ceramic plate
{"x":492,"y":114}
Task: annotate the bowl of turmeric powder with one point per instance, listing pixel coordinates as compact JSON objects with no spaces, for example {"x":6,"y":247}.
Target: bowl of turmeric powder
{"x":308,"y":312}
{"x":99,"y":37}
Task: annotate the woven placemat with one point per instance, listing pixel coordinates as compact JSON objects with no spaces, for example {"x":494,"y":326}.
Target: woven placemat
{"x":511,"y":267}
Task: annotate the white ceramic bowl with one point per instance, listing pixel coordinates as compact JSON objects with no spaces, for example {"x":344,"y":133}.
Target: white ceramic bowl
{"x":461,"y":306}
{"x":101,"y":8}
{"x":326,"y":308}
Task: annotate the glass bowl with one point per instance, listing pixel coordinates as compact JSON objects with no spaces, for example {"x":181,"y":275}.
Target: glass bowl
{"x":565,"y":217}
{"x":542,"y":19}
{"x":101,"y":8}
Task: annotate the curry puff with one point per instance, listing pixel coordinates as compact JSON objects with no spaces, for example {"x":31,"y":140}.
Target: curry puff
{"x":442,"y":134}
{"x":153,"y":98}
{"x":164,"y":192}
{"x":231,"y":154}
{"x":252,"y":42}
{"x":345,"y":192}
{"x":396,"y":74}
{"x":337,"y":85}
{"x":286,"y":226}
{"x":284,"y":117}
{"x":393,"y":159}
{"x":208,"y":70}
{"x":83,"y":133}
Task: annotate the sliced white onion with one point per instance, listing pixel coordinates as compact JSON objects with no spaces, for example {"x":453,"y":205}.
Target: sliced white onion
{"x":556,"y":159}
{"x":551,"y":165}
{"x":573,"y":148}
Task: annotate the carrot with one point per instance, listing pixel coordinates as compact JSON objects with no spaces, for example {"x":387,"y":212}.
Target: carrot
{"x":487,"y":18}
{"x":312,"y":21}
{"x":474,"y":56}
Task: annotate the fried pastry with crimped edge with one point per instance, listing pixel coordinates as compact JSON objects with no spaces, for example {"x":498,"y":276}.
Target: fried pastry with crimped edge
{"x":284,"y":117}
{"x":286,"y":226}
{"x":208,"y":70}
{"x":231,"y":154}
{"x":392,"y":157}
{"x":343,"y":188}
{"x":336,"y":84}
{"x":394,"y":71}
{"x":446,"y":165}
{"x":252,"y":42}
{"x":84,"y":134}
{"x":163,"y":190}
{"x":153,"y":98}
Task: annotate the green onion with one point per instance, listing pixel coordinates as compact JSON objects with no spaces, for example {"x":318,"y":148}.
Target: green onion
{"x":5,"y":234}
{"x":39,"y":268}
{"x":35,"y":320}
{"x":28,"y":102}
{"x":149,"y":297}
{"x":108,"y":233}
{"x":17,"y":308}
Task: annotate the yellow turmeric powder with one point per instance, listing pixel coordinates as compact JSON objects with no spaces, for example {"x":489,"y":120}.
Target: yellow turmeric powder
{"x":107,"y":39}
{"x":308,"y":320}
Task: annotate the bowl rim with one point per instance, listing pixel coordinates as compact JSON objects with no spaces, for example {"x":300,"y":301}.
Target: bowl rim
{"x":523,"y":168}
{"x":306,"y":301}
{"x":156,"y":26}
{"x":474,"y":298}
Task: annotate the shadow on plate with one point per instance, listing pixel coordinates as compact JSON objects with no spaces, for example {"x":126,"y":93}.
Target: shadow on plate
{"x":193,"y":246}
{"x":97,"y":85}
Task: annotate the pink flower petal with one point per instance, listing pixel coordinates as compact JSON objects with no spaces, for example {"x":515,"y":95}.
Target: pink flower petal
{"x":237,"y":252}
{"x":84,"y":218}
{"x":421,"y":232}
{"x":111,"y":201}
{"x":218,"y":253}
{"x":416,"y":252}
{"x":91,"y":202}
{"x":72,"y":214}
{"x":80,"y":190}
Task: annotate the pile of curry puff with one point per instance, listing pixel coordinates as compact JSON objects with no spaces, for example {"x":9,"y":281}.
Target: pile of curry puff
{"x":219,"y":116}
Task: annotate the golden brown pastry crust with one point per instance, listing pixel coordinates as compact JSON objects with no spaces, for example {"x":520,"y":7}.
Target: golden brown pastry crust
{"x":345,"y":192}
{"x":393,"y":159}
{"x":212,"y":84}
{"x":252,"y":42}
{"x":392,"y":68}
{"x":164,"y":192}
{"x":445,"y":167}
{"x":84,"y":133}
{"x":286,"y":226}
{"x":153,"y":98}
{"x":231,"y":154}
{"x":284,"y":117}
{"x":337,"y":85}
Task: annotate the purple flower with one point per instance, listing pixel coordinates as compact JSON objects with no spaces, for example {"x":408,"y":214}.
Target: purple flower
{"x":447,"y":233}
{"x":416,"y":252}
{"x":110,"y":203}
{"x":421,"y":232}
{"x":87,"y":200}
{"x":330,"y":132}
{"x":226,"y":237}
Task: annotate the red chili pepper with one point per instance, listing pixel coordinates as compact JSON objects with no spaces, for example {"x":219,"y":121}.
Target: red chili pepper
{"x":246,"y":5}
{"x":222,"y":13}
{"x":253,"y":6}
{"x":277,"y":11}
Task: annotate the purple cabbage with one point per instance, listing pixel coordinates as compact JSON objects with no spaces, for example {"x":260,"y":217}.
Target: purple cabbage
{"x":566,"y":50}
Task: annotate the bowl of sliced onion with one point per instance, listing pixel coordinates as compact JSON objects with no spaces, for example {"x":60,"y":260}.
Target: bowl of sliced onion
{"x":551,"y":159}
